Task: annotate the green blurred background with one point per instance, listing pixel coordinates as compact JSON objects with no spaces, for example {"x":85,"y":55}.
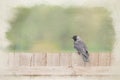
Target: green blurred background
{"x":47,"y":28}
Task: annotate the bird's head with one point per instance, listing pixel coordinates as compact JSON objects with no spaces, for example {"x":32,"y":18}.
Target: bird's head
{"x":76,"y":38}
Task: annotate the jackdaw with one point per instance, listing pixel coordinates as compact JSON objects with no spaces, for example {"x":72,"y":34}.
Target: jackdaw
{"x":80,"y":46}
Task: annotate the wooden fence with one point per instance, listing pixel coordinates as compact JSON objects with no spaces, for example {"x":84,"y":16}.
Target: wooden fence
{"x":58,"y":64}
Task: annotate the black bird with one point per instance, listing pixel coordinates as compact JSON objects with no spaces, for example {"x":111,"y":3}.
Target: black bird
{"x":80,"y":46}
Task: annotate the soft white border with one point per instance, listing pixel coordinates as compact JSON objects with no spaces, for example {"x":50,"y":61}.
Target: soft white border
{"x":7,"y":13}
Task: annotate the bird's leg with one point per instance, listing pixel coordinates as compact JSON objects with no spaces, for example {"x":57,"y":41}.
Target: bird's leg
{"x":78,"y":53}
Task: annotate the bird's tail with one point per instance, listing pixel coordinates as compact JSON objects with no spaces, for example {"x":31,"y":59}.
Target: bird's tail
{"x":85,"y":58}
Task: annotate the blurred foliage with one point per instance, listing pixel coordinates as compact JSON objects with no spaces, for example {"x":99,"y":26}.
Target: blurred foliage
{"x":50,"y":28}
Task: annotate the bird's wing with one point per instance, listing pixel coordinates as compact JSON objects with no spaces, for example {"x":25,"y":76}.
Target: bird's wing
{"x":81,"y":47}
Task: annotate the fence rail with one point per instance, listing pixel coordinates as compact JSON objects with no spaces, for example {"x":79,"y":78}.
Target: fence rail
{"x":58,"y":64}
{"x":58,"y":59}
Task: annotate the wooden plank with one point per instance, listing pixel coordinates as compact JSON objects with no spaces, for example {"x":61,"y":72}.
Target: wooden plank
{"x":77,"y":60}
{"x":25,"y":59}
{"x":58,"y":64}
{"x":17,"y":59}
{"x":11,"y":60}
{"x":65,"y":59}
{"x":112,"y":59}
{"x":40,"y":59}
{"x":94,"y":59}
{"x":53,"y":59}
{"x":108,"y":62}
{"x":3,"y":60}
{"x":92,"y":71}
{"x":61,"y":71}
{"x":104,"y":59}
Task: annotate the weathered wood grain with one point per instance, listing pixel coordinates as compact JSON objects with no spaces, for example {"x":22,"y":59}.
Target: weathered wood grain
{"x":62,"y":64}
{"x":40,"y":59}
{"x":104,"y":59}
{"x":77,"y":60}
{"x":65,"y":59}
{"x":58,"y":59}
{"x":16,"y":59}
{"x":26,"y":59}
{"x":94,"y":59}
{"x":53,"y":59}
{"x":61,"y":71}
{"x":11,"y":60}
